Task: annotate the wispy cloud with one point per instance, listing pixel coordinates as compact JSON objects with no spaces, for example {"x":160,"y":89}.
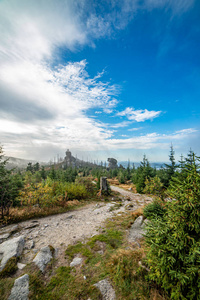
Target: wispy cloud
{"x":139,"y":115}
{"x":135,"y":129}
{"x":152,"y":140}
{"x":121,"y":124}
{"x":177,"y":7}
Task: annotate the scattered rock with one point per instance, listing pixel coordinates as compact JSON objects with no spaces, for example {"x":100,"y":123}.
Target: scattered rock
{"x":14,"y":228}
{"x":69,"y":217}
{"x":9,"y":229}
{"x":31,"y":226}
{"x":137,"y":230}
{"x":20,"y":289}
{"x":11,"y":248}
{"x":29,"y":245}
{"x":76,"y":261}
{"x":106,"y":289}
{"x":130,"y":189}
{"x":35,"y":250}
{"x":20,"y":266}
{"x":4,"y":237}
{"x":129,"y":207}
{"x":43,"y":258}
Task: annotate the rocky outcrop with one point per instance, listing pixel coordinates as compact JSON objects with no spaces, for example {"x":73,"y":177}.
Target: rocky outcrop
{"x":112,"y":163}
{"x":43,"y":258}
{"x":20,"y":289}
{"x":11,"y":248}
{"x":106,"y":289}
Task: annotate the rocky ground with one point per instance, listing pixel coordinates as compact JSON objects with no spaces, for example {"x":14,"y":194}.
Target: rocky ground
{"x":67,"y":228}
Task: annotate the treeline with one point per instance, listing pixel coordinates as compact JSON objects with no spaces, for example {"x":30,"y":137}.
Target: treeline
{"x":146,"y":178}
{"x":41,"y":187}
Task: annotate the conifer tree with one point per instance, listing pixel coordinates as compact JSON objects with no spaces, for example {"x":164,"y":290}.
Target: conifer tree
{"x":174,"y":256}
{"x":170,"y":168}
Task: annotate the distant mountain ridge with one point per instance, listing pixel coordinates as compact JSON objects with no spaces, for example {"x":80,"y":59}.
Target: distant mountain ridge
{"x":156,"y":165}
{"x":19,"y":163}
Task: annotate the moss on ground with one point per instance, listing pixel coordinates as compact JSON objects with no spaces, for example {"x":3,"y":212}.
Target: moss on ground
{"x":10,"y":268}
{"x":63,"y":285}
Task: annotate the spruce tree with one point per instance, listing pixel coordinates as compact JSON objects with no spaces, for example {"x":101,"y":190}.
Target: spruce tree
{"x":170,"y":168}
{"x":174,"y":243}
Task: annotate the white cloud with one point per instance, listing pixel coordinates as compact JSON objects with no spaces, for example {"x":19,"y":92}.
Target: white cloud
{"x":151,"y":140}
{"x":45,"y":107}
{"x":121,"y":124}
{"x":135,"y":129}
{"x":139,"y":115}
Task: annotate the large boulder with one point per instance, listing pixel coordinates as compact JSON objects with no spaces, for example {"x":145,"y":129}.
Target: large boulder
{"x":20,"y":289}
{"x":43,"y":258}
{"x":137,"y":230}
{"x":106,"y":289}
{"x":11,"y":248}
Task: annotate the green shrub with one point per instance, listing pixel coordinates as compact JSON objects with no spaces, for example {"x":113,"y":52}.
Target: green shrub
{"x":174,"y":243}
{"x":153,"y":186}
{"x":154,"y":210}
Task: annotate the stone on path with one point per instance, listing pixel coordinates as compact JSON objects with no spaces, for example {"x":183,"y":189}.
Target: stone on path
{"x":4,"y":237}
{"x":11,"y":248}
{"x":43,"y":258}
{"x":21,"y":266}
{"x":106,"y":289}
{"x":29,"y":245}
{"x":76,"y":261}
{"x":137,"y":230}
{"x":20,"y":289}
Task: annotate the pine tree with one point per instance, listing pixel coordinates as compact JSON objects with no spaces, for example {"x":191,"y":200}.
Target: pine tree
{"x":170,"y":168}
{"x":143,"y":172}
{"x":174,"y":256}
{"x":8,"y":187}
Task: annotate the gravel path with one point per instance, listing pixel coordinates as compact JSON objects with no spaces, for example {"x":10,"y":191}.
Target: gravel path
{"x":67,"y":228}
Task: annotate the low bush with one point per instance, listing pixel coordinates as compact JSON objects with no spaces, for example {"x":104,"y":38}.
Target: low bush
{"x":154,"y":210}
{"x":51,"y":193}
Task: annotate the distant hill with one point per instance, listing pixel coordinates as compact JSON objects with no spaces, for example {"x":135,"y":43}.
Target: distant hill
{"x":18,"y":163}
{"x":156,"y":165}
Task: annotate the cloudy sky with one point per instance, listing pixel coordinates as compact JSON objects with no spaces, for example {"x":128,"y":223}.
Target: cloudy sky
{"x":102,"y":78}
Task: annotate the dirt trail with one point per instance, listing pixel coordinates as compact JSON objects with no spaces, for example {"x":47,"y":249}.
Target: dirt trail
{"x":67,"y":228}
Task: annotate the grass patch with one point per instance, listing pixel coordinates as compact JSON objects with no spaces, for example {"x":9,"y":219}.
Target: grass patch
{"x":6,"y":285}
{"x":10,"y":268}
{"x":72,"y":250}
{"x":126,"y":274}
{"x":19,"y":214}
{"x":112,"y":238}
{"x":63,"y":285}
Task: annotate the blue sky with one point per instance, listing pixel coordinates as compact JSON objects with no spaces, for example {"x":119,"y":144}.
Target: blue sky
{"x":102,"y":78}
